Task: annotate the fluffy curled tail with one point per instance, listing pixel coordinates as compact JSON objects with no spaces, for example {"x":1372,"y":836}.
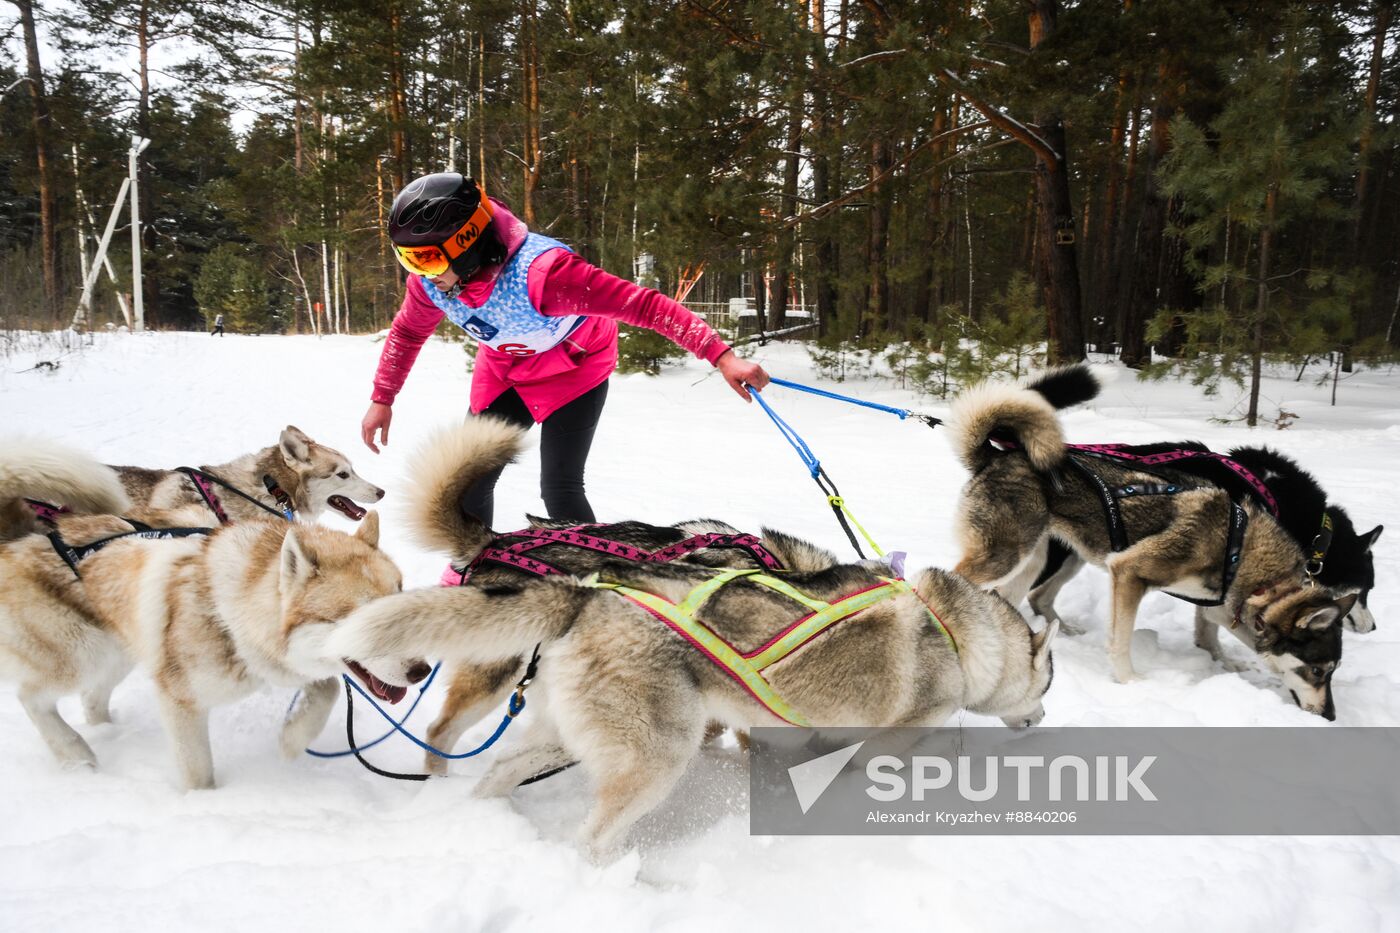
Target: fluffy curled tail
{"x":449,"y":463}
{"x":35,"y":468}
{"x":1022,"y":415}
{"x":458,"y":625}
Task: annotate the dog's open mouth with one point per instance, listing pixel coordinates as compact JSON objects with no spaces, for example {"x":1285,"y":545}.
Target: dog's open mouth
{"x":386,"y":692}
{"x":345,"y":507}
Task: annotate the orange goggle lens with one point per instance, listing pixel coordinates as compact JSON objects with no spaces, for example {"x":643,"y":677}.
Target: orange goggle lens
{"x":423,"y":260}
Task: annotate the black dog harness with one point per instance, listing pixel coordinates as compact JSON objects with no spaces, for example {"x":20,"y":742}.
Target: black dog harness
{"x":1111,"y":496}
{"x":204,"y":483}
{"x":73,"y":555}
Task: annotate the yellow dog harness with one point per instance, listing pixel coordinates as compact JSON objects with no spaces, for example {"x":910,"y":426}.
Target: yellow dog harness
{"x":747,"y":667}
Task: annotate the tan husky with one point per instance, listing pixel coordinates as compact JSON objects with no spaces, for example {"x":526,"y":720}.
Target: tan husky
{"x":312,"y":476}
{"x":211,"y":617}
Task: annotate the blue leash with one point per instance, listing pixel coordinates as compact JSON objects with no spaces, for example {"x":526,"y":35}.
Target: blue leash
{"x":903,"y":413}
{"x":820,"y":477}
{"x":514,"y":706}
{"x":809,"y":459}
{"x":350,"y":751}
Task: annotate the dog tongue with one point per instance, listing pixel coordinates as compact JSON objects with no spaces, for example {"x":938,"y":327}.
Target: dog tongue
{"x":345,"y":507}
{"x":387,"y":692}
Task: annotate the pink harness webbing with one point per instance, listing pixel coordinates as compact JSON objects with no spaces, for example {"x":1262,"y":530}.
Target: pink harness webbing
{"x":516,"y":555}
{"x":46,"y":512}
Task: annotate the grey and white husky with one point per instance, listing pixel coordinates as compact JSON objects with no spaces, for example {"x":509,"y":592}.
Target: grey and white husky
{"x":627,"y":697}
{"x":455,"y":458}
{"x":1174,"y":533}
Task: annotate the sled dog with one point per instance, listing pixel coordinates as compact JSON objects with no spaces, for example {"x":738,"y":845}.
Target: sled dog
{"x":1159,"y":530}
{"x":625,"y":694}
{"x":313,"y":477}
{"x":212,"y":617}
{"x":455,"y":458}
{"x":1345,"y":562}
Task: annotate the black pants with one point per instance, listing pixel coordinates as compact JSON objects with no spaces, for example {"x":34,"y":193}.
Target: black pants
{"x":565,"y":438}
{"x":218,"y":329}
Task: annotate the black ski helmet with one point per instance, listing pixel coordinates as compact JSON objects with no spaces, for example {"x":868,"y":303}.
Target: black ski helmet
{"x":430,"y":209}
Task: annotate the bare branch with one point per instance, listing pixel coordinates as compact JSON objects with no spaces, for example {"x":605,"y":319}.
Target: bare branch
{"x":1002,"y":121}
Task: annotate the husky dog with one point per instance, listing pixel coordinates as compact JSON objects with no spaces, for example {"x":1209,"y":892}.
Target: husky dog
{"x":312,"y":475}
{"x":624,"y":695}
{"x":455,"y":458}
{"x":1181,"y":535}
{"x":212,"y":617}
{"x":1347,"y":565}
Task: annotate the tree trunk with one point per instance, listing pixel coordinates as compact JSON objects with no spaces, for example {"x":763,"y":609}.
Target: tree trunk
{"x":398,"y":101}
{"x":1384,"y":10}
{"x":1060,"y":269}
{"x":150,"y":281}
{"x":48,"y":233}
{"x":481,"y":106}
{"x":1142,"y":299}
{"x":1105,"y":272}
{"x":875,"y":317}
{"x":787,"y":206}
{"x":926,"y":295}
{"x":1261,"y":305}
{"x":530,"y":88}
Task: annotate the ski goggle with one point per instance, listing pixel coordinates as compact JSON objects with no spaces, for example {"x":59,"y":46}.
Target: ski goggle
{"x":435,"y":260}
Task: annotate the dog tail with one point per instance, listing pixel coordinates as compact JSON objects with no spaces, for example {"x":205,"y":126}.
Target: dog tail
{"x":449,"y":463}
{"x":1021,"y":415}
{"x":46,"y":471}
{"x":477,"y":624}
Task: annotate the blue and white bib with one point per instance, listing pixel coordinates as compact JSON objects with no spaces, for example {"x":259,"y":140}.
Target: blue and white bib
{"x":508,"y":322}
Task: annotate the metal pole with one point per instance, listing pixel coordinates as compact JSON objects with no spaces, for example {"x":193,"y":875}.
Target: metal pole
{"x":138,"y":146}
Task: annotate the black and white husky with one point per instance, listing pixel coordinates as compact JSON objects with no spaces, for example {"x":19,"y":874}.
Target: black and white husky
{"x":1345,"y":565}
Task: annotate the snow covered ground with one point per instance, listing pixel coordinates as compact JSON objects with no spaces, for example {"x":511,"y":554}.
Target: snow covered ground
{"x":291,"y":846}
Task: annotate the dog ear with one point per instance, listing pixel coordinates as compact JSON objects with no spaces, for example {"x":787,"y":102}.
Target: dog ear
{"x":1346,"y":603}
{"x":298,"y":560}
{"x":1327,"y":615}
{"x":368,"y":532}
{"x":1040,"y":644}
{"x":295,"y":445}
{"x":1372,"y":536}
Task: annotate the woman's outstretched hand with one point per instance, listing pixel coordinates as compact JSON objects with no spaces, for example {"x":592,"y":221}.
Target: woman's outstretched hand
{"x":377,"y":419}
{"x":740,"y":374}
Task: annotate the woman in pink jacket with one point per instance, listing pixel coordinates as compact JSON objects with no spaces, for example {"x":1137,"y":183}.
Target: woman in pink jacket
{"x":545,"y":322}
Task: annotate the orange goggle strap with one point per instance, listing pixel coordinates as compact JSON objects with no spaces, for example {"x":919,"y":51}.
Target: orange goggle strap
{"x":461,"y":241}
